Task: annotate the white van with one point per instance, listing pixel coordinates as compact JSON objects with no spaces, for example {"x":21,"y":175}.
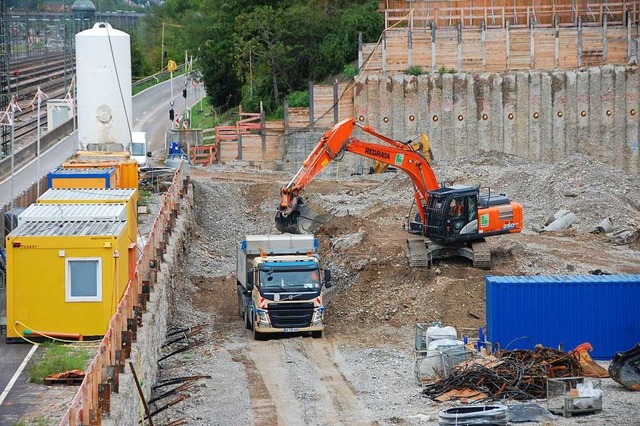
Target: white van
{"x":139,"y":148}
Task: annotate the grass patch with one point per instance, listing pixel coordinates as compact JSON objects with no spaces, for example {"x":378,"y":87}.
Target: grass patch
{"x":145,"y":197}
{"x":35,"y":421}
{"x":207,"y":117}
{"x":58,"y":358}
{"x":139,"y":87}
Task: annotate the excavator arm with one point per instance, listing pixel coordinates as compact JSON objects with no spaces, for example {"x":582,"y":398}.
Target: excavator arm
{"x":294,"y":217}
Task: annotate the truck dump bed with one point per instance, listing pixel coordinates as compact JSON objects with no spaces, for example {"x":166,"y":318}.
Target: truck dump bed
{"x":279,"y":244}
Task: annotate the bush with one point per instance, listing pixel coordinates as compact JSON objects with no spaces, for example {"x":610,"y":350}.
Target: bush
{"x":349,"y":71}
{"x":298,"y":99}
{"x":445,"y":70}
{"x":414,"y":70}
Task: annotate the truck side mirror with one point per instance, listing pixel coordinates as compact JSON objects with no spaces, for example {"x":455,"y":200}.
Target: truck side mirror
{"x":327,"y":278}
{"x":149,"y":154}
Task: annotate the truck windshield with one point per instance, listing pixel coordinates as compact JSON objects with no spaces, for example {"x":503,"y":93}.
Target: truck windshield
{"x":284,"y":280}
{"x":137,"y":149}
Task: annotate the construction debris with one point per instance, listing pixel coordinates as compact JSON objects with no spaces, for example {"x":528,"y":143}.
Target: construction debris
{"x":563,"y":219}
{"x":518,"y":374}
{"x":474,"y":415}
{"x":71,"y":377}
{"x":589,"y":367}
{"x":604,"y":227}
{"x":623,"y":235}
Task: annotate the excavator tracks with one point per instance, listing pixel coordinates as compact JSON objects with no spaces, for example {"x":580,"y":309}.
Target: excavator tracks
{"x":481,"y":255}
{"x":421,"y":252}
{"x":418,"y":253}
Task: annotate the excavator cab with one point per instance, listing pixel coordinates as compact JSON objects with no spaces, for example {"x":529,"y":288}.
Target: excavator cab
{"x":451,"y":215}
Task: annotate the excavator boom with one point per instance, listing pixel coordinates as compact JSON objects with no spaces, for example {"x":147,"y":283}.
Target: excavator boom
{"x":294,"y":217}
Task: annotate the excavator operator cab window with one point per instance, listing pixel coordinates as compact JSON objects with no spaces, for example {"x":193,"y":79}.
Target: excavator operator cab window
{"x":462,"y":211}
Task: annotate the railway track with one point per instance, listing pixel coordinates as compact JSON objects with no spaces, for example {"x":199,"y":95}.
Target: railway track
{"x":46,"y":71}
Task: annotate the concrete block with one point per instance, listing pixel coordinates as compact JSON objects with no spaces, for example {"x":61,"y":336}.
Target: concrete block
{"x":397,"y":117}
{"x":509,"y":102}
{"x":558,"y":115}
{"x":524,"y":92}
{"x":533,"y":147}
{"x":482,"y":105}
{"x":447,"y":117}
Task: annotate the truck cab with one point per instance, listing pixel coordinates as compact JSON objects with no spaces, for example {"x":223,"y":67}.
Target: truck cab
{"x":280,"y":285}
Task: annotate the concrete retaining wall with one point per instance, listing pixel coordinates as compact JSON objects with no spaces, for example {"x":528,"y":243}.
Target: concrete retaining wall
{"x":126,"y":407}
{"x":542,"y":116}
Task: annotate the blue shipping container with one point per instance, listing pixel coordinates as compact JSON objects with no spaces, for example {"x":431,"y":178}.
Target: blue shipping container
{"x":95,"y":177}
{"x":523,"y":311}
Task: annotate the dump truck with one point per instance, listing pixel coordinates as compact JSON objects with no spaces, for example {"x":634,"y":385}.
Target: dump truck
{"x":280,"y":288}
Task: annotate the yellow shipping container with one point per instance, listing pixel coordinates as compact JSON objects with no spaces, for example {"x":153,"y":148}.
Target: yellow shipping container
{"x":65,"y":277}
{"x":126,"y":168}
{"x":97,"y":196}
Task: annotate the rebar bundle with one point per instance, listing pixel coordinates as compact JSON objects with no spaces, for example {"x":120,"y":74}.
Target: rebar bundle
{"x":518,"y":374}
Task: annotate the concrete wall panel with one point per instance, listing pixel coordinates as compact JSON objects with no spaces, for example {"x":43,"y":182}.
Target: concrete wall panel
{"x":481,"y":138}
{"x":411,"y":107}
{"x":361,"y":104}
{"x":435,"y":109}
{"x":558,"y":116}
{"x":619,"y":117}
{"x":607,"y":129}
{"x":546,"y":118}
{"x":497,"y":116}
{"x":632,"y":112}
{"x":595,"y":142}
{"x":460,"y":117}
{"x":532,"y":144}
{"x":447,"y":118}
{"x":509,"y":101}
{"x":522,"y":111}
{"x":583,"y":111}
{"x":470,"y":118}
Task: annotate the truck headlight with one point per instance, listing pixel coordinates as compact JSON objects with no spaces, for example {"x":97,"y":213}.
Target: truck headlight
{"x":263,"y":317}
{"x":317,"y":317}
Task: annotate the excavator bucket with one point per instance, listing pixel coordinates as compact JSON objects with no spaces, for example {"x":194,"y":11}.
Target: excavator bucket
{"x":625,"y":368}
{"x":301,"y":220}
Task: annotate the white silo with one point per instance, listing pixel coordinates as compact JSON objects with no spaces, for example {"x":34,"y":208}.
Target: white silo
{"x":103,"y":73}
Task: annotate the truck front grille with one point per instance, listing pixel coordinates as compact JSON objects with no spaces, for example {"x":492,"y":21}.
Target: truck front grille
{"x":290,"y":315}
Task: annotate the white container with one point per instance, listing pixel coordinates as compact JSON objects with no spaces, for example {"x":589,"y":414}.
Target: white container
{"x":103,"y":72}
{"x":437,"y":333}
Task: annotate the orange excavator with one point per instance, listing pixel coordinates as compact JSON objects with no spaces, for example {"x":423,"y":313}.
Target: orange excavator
{"x":450,"y":220}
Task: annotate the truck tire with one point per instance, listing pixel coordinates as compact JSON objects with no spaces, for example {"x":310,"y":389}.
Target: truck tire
{"x":247,"y":320}
{"x":317,"y":334}
{"x":256,"y":334}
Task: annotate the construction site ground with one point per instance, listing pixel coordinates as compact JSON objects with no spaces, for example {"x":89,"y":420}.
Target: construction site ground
{"x":362,"y":371}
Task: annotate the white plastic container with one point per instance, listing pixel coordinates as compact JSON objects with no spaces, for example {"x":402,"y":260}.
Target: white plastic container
{"x":437,"y":333}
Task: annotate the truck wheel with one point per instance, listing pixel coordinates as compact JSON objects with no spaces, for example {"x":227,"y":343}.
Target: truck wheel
{"x":256,"y":334}
{"x":247,"y":320}
{"x":317,"y":334}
